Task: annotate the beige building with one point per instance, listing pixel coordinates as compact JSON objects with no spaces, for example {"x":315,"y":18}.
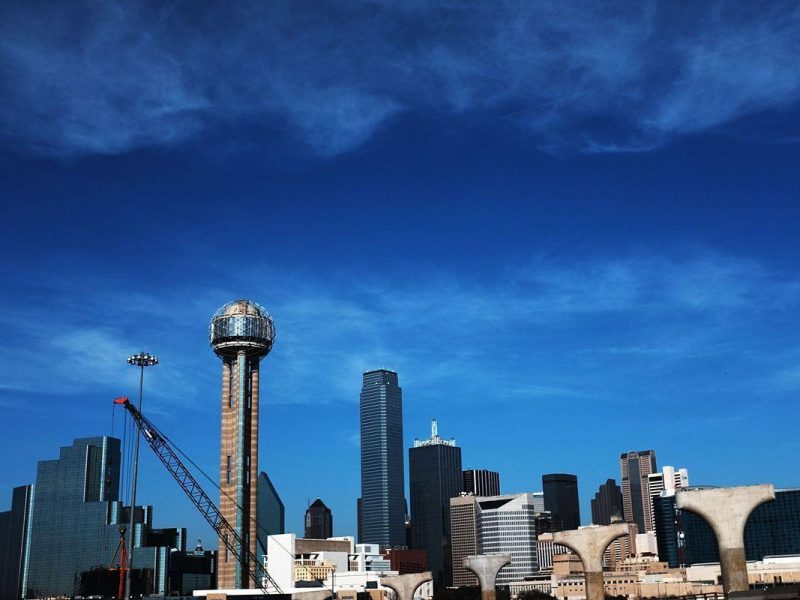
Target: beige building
{"x":649,"y":578}
{"x":636,"y":467}
{"x":463,"y":537}
{"x":622,"y":548}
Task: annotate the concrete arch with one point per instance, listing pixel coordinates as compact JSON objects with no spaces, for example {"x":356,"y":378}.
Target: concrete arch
{"x":726,"y":510}
{"x":405,"y":585}
{"x":589,"y":544}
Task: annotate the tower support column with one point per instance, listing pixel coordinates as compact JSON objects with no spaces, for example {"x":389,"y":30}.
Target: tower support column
{"x":241,"y":334}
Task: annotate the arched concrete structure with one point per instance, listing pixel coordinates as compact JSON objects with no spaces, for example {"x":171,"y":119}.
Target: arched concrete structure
{"x":589,"y":544}
{"x":486,"y":567}
{"x":726,"y":510}
{"x":405,"y":585}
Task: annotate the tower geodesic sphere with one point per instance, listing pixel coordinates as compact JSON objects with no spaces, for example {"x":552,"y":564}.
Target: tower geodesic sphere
{"x":241,"y":325}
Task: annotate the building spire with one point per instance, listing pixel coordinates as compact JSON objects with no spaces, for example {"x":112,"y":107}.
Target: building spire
{"x":434,"y":440}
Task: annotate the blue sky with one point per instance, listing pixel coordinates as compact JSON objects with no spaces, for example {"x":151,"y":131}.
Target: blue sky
{"x":572,"y":230}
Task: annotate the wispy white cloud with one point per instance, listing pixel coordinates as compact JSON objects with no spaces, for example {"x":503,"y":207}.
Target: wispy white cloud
{"x":109,"y":77}
{"x":580,"y":331}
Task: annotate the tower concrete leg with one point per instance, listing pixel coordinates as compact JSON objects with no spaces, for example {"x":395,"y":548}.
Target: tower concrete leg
{"x":405,"y":585}
{"x":727,"y":510}
{"x":486,"y":567}
{"x":589,"y":544}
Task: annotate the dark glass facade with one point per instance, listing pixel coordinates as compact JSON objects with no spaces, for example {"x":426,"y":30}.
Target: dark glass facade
{"x":271,"y":514}
{"x":319,"y":521}
{"x":194,"y":570}
{"x":774,"y":528}
{"x":435,"y":476}
{"x":684,"y":538}
{"x":561,"y":500}
{"x":13,"y":536}
{"x":481,"y":482}
{"x":382,"y":473}
{"x":75,"y":523}
{"x":607,"y":503}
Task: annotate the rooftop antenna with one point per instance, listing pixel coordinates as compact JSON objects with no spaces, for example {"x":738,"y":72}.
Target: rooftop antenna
{"x":434,"y":429}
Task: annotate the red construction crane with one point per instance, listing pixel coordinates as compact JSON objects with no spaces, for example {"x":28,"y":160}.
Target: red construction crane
{"x":161,"y":445}
{"x":123,"y":562}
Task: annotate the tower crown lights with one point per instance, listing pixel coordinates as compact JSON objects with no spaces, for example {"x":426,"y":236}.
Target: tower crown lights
{"x":143,"y":359}
{"x":241,"y":325}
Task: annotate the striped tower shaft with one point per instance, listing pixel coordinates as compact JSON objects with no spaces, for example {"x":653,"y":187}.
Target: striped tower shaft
{"x":238,"y":462}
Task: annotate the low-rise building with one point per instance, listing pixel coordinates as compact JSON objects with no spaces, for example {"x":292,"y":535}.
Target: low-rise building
{"x":649,"y":578}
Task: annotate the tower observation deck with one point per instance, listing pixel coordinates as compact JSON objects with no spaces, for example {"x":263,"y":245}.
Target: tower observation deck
{"x":241,"y":333}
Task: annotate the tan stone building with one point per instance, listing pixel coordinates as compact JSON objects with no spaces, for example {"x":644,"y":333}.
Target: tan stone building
{"x":463,"y":537}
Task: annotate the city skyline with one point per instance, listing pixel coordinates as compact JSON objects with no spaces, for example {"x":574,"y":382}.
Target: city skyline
{"x":551,"y":229}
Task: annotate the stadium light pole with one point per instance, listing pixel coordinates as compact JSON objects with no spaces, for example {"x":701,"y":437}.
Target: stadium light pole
{"x":141,"y":360}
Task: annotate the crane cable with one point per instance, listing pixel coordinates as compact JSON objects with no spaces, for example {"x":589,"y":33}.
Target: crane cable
{"x":130,"y":421}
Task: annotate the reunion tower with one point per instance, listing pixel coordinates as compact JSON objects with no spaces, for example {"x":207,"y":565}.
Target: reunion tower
{"x":241,"y":334}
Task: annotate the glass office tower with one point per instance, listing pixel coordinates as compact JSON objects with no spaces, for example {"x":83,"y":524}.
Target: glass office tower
{"x":435,"y":476}
{"x":75,"y":501}
{"x":75,"y":524}
{"x":13,"y":538}
{"x":318,"y":521}
{"x":382,"y":475}
{"x":607,"y":503}
{"x":271,"y":514}
{"x":561,"y":500}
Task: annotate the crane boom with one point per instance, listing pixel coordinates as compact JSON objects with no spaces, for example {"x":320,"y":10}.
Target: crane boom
{"x":161,"y":446}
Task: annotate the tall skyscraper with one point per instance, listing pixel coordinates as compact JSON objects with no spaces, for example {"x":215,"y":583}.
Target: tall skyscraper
{"x":607,"y":503}
{"x":561,"y":500}
{"x":241,"y":334}
{"x":435,"y":476}
{"x":319,"y":521}
{"x":271,"y":517}
{"x":382,"y":474}
{"x":13,"y":542}
{"x":636,"y":466}
{"x":668,"y":480}
{"x":481,"y":482}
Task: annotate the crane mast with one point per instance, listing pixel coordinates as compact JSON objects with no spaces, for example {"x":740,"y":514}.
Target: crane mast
{"x":233,"y":542}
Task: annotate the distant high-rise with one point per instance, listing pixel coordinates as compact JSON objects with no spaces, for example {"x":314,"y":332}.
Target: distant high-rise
{"x":635,"y":467}
{"x":435,"y":476}
{"x":561,"y":500}
{"x":382,"y":474}
{"x":319,"y":521}
{"x":13,"y":537}
{"x":538,"y":501}
{"x":241,"y":334}
{"x":668,"y":481}
{"x":271,"y":518}
{"x":607,"y":503}
{"x":481,"y":482}
{"x":464,"y":533}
